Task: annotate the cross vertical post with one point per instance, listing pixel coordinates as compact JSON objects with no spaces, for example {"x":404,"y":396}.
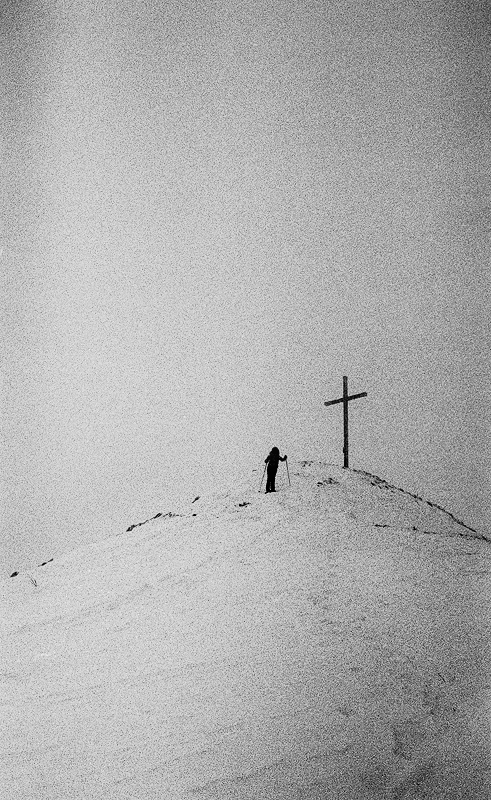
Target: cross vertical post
{"x":345,"y":399}
{"x":345,"y":420}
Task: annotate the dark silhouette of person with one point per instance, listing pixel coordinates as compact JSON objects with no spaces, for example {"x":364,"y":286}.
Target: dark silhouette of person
{"x":272,"y":461}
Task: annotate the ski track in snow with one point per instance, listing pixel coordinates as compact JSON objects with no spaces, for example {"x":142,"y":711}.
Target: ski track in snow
{"x":329,"y":641}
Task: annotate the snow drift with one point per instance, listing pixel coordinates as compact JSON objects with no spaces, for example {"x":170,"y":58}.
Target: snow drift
{"x":329,"y":641}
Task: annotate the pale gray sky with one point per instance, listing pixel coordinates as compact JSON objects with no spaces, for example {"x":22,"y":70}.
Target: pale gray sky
{"x":211,"y":212}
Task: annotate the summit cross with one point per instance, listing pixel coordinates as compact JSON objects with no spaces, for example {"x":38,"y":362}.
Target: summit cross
{"x":345,"y":399}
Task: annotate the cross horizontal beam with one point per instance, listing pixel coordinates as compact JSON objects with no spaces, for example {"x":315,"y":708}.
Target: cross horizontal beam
{"x":341,"y":399}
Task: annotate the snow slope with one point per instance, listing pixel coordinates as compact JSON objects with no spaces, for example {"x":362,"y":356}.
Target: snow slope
{"x":328,"y":641}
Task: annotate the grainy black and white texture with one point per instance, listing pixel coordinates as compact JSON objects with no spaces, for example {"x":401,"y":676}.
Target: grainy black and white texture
{"x":213,"y":211}
{"x":327,"y":642}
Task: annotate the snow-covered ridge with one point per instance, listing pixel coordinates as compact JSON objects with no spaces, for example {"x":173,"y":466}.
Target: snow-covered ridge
{"x":328,"y":641}
{"x":382,"y":512}
{"x":307,"y":475}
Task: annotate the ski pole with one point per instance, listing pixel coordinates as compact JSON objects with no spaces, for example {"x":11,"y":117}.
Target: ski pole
{"x":262,"y":478}
{"x":288,"y":472}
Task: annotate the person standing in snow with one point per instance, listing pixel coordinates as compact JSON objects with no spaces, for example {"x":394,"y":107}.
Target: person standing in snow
{"x":272,"y":461}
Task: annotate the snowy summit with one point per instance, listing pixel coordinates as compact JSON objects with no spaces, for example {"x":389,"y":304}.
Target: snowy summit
{"x":327,"y":641}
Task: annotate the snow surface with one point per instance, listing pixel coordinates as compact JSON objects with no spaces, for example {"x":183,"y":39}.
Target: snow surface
{"x":328,"y":641}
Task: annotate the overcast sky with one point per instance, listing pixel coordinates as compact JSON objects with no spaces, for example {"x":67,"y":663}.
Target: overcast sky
{"x":211,"y":212}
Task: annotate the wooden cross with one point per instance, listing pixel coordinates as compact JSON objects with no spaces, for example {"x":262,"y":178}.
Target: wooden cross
{"x":345,"y":400}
